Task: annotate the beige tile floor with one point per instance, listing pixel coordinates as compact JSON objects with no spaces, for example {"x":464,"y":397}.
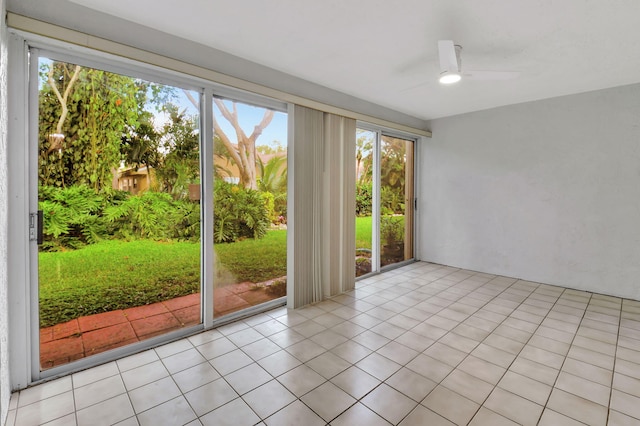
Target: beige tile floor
{"x":420,"y":345}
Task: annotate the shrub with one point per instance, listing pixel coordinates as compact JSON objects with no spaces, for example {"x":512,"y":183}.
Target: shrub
{"x":238,"y":213}
{"x":364,"y":198}
{"x":71,"y":216}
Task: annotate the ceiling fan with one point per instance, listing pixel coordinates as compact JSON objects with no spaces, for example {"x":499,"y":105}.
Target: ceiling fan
{"x":451,"y":66}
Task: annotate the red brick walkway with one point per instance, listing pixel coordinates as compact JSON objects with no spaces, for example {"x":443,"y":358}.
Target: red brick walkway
{"x":90,"y":335}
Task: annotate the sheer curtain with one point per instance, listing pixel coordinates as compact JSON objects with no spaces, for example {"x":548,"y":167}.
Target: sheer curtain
{"x":322,"y":200}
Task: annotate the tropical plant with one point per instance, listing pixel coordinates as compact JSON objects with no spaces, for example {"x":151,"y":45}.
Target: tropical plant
{"x":83,"y":114}
{"x":238,"y":213}
{"x":364,"y":199}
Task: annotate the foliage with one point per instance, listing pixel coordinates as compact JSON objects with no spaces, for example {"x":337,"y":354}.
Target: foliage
{"x":71,"y":216}
{"x":364,"y":156}
{"x":273,"y":180}
{"x":391,"y":229}
{"x":277,"y":288}
{"x":238,"y":213}
{"x":180,"y":166}
{"x":76,"y":216}
{"x":154,"y":215}
{"x":364,"y":197}
{"x":83,"y":114}
{"x":391,"y":201}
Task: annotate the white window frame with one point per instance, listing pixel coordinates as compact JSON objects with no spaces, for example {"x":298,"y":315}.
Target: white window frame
{"x":23,"y":274}
{"x":375,"y":205}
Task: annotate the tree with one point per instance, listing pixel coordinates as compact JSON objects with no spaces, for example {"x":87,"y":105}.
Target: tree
{"x":243,"y":153}
{"x":180,"y":164}
{"x":364,"y":157}
{"x":83,"y":114}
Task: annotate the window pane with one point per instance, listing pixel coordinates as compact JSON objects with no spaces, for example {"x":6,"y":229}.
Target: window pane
{"x":365,"y":142}
{"x":250,"y":206}
{"x":396,"y":200}
{"x":120,"y":259}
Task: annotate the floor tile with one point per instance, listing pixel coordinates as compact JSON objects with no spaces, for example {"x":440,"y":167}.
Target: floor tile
{"x":525,"y":387}
{"x":301,"y":380}
{"x":247,"y":378}
{"x":618,"y":419}
{"x":378,"y":366}
{"x":430,"y":368}
{"x":305,"y":350}
{"x":359,"y":415}
{"x":328,"y":401}
{"x":293,"y":415}
{"x":422,"y":344}
{"x":174,"y":412}
{"x":450,"y":405}
{"x":144,"y":374}
{"x":268,"y":398}
{"x":484,"y":370}
{"x":351,"y":351}
{"x":107,"y":412}
{"x":98,"y":391}
{"x":45,"y":410}
{"x":279,"y":363}
{"x":577,"y":408}
{"x":153,"y":394}
{"x":389,"y":403}
{"x":183,"y":360}
{"x":328,"y":365}
{"x":355,"y":382}
{"x":44,"y":391}
{"x":210,"y":396}
{"x":422,"y":416}
{"x":553,"y":418}
{"x":230,"y":362}
{"x":486,"y":417}
{"x":514,"y":407}
{"x":196,"y":376}
{"x":468,"y":386}
{"x":137,"y":360}
{"x":234,"y":413}
{"x":625,"y":403}
{"x":584,"y":388}
{"x":397,"y":352}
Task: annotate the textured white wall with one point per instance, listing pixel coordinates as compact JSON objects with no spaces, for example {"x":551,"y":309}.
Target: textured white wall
{"x":547,"y":191}
{"x":4,"y":365}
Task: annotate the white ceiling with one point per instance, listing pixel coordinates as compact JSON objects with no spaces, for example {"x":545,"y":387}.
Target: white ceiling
{"x":386,"y":51}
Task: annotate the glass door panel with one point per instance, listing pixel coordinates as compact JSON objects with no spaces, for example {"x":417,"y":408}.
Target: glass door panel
{"x":118,"y":170}
{"x":365,"y":143}
{"x":250,"y":206}
{"x":396,"y":200}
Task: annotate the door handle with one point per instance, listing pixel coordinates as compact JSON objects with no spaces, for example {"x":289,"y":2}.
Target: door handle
{"x":40,"y":235}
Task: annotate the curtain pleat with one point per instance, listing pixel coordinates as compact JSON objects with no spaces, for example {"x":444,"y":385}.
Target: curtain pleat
{"x":323,"y":207}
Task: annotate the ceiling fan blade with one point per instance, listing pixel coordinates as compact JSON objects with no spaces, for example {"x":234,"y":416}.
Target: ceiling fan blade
{"x":448,"y":58}
{"x":490,"y":75}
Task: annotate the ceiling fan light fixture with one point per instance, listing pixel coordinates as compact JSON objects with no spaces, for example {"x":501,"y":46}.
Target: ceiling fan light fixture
{"x":449,"y":77}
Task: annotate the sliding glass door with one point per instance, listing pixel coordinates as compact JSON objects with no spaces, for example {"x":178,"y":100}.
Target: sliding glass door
{"x":250,"y":205}
{"x":119,"y":234}
{"x":385,"y":200}
{"x":158,"y":207}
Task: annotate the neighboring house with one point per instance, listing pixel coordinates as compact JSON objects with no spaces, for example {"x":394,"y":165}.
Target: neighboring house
{"x":133,"y":180}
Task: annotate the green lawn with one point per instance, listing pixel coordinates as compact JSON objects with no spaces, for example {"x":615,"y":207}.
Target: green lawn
{"x":363,"y":232}
{"x":117,"y":274}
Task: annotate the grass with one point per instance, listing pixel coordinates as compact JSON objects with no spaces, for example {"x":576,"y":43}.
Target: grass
{"x":117,"y":274}
{"x":363,"y":232}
